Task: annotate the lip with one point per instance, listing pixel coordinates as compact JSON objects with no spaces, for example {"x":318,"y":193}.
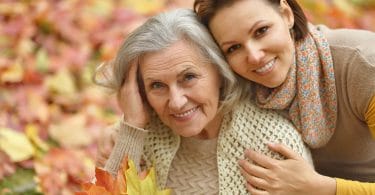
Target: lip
{"x":266,"y":68}
{"x":186,"y":115}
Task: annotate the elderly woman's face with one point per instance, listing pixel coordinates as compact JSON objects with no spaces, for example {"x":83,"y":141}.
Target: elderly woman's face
{"x":183,"y":89}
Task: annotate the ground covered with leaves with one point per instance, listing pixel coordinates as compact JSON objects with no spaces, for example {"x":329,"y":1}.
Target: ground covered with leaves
{"x":51,"y":114}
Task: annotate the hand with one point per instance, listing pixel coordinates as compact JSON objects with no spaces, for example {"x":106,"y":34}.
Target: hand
{"x":106,"y":143}
{"x":130,"y":101}
{"x":292,"y":176}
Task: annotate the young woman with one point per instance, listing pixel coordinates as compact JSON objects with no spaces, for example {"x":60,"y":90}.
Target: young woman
{"x":322,"y":78}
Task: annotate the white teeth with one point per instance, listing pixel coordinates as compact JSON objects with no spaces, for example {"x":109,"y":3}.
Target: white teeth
{"x":266,"y":67}
{"x":186,"y":113}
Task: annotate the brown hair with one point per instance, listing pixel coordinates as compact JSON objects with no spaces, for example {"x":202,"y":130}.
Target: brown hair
{"x":206,"y":10}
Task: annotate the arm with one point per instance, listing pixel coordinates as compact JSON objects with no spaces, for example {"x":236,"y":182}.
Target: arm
{"x":130,"y":141}
{"x":292,"y":176}
{"x":348,"y":187}
{"x":131,"y":134}
{"x":370,"y":116}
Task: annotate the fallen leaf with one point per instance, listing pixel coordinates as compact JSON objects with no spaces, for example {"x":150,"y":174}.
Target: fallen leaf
{"x":71,"y":132}
{"x":12,"y":74}
{"x":61,"y":83}
{"x":15,"y":145}
{"x":145,"y":6}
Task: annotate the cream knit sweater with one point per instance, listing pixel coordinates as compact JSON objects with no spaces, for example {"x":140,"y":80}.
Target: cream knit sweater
{"x":247,"y":126}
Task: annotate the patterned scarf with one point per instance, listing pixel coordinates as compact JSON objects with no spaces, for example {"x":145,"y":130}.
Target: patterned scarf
{"x":309,"y":91}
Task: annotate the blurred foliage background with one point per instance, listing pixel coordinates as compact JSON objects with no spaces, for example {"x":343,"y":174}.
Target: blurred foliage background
{"x":51,"y":114}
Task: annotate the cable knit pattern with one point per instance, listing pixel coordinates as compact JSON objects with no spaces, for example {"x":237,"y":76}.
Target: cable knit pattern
{"x":194,"y":168}
{"x":246,"y":127}
{"x":127,"y":142}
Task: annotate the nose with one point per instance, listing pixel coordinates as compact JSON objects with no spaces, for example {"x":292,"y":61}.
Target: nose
{"x":177,"y":98}
{"x":254,"y":54}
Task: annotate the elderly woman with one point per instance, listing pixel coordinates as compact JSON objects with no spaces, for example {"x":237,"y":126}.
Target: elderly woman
{"x":183,"y":109}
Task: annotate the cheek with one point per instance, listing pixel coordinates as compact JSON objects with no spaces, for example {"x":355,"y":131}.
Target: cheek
{"x":282,"y":42}
{"x":236,"y":65}
{"x":156,"y":103}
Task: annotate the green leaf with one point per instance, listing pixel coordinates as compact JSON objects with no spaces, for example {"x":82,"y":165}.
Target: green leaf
{"x":20,"y":183}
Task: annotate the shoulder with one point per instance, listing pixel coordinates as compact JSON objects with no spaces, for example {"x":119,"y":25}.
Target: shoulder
{"x":363,"y":40}
{"x":353,"y":53}
{"x":252,"y":127}
{"x":351,"y":41}
{"x":249,"y":115}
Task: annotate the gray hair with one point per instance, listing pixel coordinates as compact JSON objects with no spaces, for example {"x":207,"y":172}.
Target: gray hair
{"x":160,"y":32}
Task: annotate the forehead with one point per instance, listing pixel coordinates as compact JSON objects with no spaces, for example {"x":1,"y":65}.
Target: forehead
{"x":176,"y":57}
{"x":240,"y":16}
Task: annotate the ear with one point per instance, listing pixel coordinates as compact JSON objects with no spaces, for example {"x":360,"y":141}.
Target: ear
{"x":287,"y":13}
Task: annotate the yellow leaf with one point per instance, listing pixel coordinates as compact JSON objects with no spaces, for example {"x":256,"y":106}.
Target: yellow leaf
{"x":147,"y":186}
{"x":32,"y":133}
{"x":13,"y":74}
{"x":346,"y":7}
{"x":132,"y":179}
{"x":42,"y":60}
{"x":15,"y":145}
{"x":13,"y":8}
{"x":100,"y":8}
{"x":61,"y":83}
{"x":71,"y":132}
{"x":145,"y":6}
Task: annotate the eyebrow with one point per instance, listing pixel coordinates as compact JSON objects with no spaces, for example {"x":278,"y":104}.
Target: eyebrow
{"x":187,"y":69}
{"x":251,"y":29}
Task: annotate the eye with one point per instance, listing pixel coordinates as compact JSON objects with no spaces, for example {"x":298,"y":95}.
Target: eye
{"x":156,"y":85}
{"x":232,"y":48}
{"x":261,"y":31}
{"x":189,"y":76}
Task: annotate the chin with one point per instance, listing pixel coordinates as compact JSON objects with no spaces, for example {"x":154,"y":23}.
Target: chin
{"x":187,"y":133}
{"x":271,"y":85}
{"x":275,"y":83}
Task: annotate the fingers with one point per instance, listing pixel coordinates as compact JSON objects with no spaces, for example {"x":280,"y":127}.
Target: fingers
{"x":284,"y":150}
{"x":130,"y":82}
{"x":259,"y":159}
{"x":132,"y":73}
{"x":252,"y":169}
{"x":255,"y":191}
{"x":251,"y":177}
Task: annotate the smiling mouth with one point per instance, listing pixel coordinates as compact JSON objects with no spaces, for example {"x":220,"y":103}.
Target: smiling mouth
{"x":187,"y":113}
{"x":266,"y":67}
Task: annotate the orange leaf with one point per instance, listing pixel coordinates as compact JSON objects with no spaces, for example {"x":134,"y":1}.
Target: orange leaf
{"x":86,"y":186}
{"x":120,"y":185}
{"x":104,"y":179}
{"x":97,"y":190}
{"x":81,"y":193}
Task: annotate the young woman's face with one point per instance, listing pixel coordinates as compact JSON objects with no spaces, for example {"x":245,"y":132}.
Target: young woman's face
{"x":183,"y":89}
{"x":255,"y":38}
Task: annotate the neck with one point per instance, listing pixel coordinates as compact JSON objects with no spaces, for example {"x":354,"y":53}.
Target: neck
{"x":212,"y":129}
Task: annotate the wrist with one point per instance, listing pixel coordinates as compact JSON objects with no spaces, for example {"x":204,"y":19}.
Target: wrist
{"x":327,"y":185}
{"x":133,"y":122}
